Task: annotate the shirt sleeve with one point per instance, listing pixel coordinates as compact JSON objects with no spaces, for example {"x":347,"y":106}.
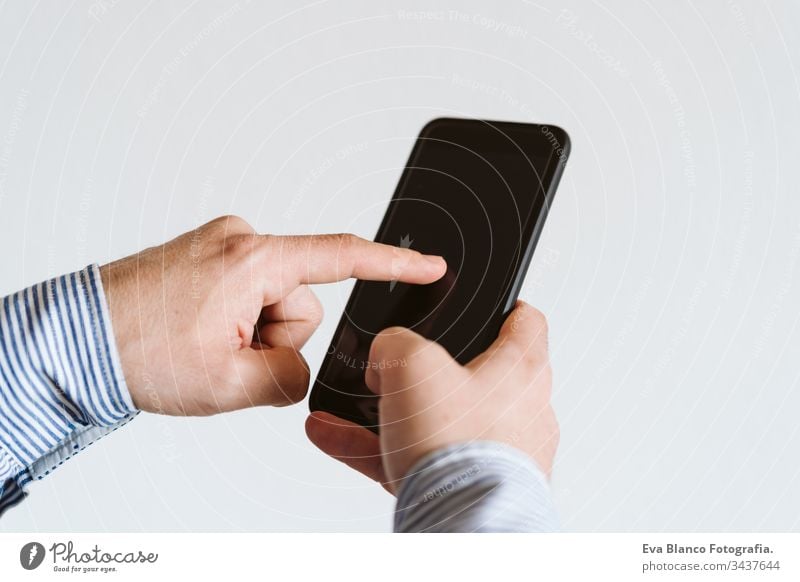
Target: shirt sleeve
{"x":61,"y":381}
{"x":481,"y":486}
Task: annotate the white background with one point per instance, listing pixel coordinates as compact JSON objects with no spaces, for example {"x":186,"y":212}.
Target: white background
{"x":668,"y":267}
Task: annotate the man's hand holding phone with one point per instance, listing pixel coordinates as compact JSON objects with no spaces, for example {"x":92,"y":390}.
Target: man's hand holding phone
{"x":432,"y":401}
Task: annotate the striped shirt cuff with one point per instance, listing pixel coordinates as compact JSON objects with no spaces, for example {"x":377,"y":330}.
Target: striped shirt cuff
{"x":481,"y":486}
{"x":61,"y":381}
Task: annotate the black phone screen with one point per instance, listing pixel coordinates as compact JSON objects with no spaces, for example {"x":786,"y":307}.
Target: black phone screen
{"x":476,"y":193}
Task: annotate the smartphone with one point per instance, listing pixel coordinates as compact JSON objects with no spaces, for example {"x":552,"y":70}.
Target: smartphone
{"x":477,"y":193}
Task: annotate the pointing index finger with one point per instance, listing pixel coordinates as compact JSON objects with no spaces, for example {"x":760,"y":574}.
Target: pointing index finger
{"x":327,"y":258}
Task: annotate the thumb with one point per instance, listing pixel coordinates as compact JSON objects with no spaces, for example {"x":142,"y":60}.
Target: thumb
{"x":394,"y":353}
{"x":275,"y":376}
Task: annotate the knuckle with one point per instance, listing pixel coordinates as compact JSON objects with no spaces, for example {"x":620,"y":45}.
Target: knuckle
{"x":348,"y":241}
{"x":536,"y":332}
{"x":233,"y":224}
{"x":239,"y":246}
{"x":538,"y":319}
{"x":272,"y":247}
{"x":530,"y":314}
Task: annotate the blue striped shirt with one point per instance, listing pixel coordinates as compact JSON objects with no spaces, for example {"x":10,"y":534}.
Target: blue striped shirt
{"x":62,"y":388}
{"x":482,"y":486}
{"x":61,"y":382}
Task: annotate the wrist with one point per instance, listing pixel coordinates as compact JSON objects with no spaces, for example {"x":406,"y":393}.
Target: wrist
{"x":121,"y":329}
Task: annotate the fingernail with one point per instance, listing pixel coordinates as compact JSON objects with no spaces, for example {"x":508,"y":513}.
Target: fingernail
{"x":435,"y":260}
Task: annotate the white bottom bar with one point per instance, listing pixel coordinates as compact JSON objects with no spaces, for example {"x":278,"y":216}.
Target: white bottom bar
{"x":388,"y":557}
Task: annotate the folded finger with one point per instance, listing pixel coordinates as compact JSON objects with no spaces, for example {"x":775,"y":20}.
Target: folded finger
{"x":350,"y":443}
